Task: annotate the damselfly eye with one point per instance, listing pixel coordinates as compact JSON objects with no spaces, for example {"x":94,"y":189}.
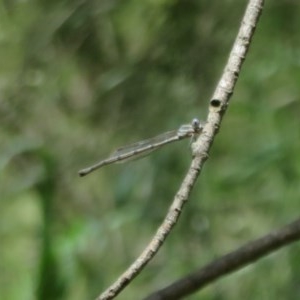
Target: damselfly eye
{"x":195,"y":123}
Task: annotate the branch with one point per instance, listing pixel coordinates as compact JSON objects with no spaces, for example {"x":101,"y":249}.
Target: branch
{"x":231,"y":262}
{"x":200,"y":148}
{"x":225,"y":87}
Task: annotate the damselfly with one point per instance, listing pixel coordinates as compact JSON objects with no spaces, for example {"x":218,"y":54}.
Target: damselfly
{"x":145,"y":147}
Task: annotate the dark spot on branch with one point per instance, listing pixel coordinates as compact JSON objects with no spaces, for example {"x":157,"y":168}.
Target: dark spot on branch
{"x":215,"y":102}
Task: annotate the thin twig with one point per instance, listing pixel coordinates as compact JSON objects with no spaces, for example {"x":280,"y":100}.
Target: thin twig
{"x":226,"y":264}
{"x":218,"y":105}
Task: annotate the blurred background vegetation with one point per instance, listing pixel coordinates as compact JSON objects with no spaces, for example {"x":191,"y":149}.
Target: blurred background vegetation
{"x":80,"y":78}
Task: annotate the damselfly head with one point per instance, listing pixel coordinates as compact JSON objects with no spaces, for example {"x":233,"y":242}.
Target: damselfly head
{"x":196,"y":124}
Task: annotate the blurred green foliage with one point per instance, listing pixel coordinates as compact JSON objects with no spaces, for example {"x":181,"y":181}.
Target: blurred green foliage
{"x":79,"y":78}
